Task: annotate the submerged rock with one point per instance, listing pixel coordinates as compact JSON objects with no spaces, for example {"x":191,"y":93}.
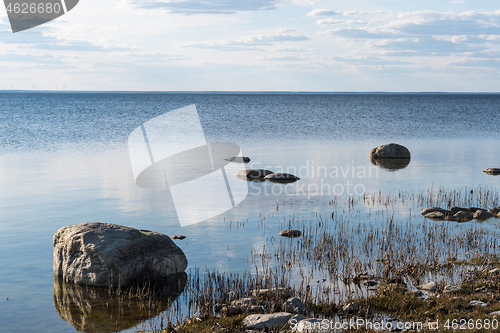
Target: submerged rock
{"x":291,"y":233}
{"x":181,"y":237}
{"x":262,"y":321}
{"x":253,"y":174}
{"x":104,"y":254}
{"x":492,"y":171}
{"x":391,"y":150}
{"x":281,"y":177}
{"x":238,"y":159}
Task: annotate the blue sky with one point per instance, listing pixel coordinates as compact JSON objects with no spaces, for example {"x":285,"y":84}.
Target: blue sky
{"x":261,"y":45}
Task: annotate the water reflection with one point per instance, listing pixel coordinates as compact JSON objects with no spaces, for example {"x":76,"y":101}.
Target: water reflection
{"x":96,"y":309}
{"x":390,"y":163}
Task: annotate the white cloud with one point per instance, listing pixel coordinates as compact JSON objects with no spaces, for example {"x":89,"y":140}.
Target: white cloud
{"x":322,"y":12}
{"x":190,"y":7}
{"x":251,"y":42}
{"x":362,"y":12}
{"x":332,"y":21}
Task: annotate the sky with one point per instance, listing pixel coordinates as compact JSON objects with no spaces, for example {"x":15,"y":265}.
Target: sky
{"x":259,"y":45}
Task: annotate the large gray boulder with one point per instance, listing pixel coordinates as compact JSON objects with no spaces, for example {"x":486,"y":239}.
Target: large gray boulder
{"x":391,"y":150}
{"x":262,"y":321}
{"x":104,"y":254}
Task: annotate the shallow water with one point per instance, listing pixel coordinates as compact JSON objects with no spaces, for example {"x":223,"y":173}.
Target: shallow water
{"x":65,"y":160}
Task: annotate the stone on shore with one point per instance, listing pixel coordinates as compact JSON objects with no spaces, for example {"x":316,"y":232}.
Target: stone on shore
{"x":281,"y":177}
{"x":104,"y":254}
{"x":478,"y":303}
{"x":263,"y":321}
{"x":238,"y":159}
{"x":295,"y":305}
{"x":431,"y":286}
{"x":253,"y":174}
{"x":492,"y":171}
{"x":291,"y":233}
{"x":451,"y":288}
{"x":494,"y":313}
{"x":391,"y":150}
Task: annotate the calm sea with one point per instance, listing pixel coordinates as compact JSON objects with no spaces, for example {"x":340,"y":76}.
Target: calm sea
{"x":64,"y":160}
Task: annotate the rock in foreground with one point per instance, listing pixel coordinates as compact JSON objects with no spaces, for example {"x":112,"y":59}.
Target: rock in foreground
{"x":262,"y":321}
{"x":391,"y":150}
{"x":103,"y":254}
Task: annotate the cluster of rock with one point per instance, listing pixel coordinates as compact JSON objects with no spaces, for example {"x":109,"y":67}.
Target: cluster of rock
{"x":459,"y":214}
{"x":104,"y":254}
{"x":291,"y":233}
{"x":291,"y":312}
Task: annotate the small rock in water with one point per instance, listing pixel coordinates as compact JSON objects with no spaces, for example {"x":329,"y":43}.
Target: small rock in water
{"x":351,"y":307}
{"x":295,"y":305}
{"x":492,"y":171}
{"x":178,"y":237}
{"x":432,"y":210}
{"x":437,"y":216}
{"x":482,"y":215}
{"x":463,"y":216}
{"x":494,"y":211}
{"x":253,"y":174}
{"x":281,"y":177}
{"x":455,"y":210}
{"x":291,"y":233}
{"x":238,"y":159}
{"x":391,"y":150}
{"x":431,"y":286}
{"x":478,"y":303}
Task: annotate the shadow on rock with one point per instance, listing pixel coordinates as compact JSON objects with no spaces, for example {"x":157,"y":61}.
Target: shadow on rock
{"x":390,"y":163}
{"x":98,"y":309}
